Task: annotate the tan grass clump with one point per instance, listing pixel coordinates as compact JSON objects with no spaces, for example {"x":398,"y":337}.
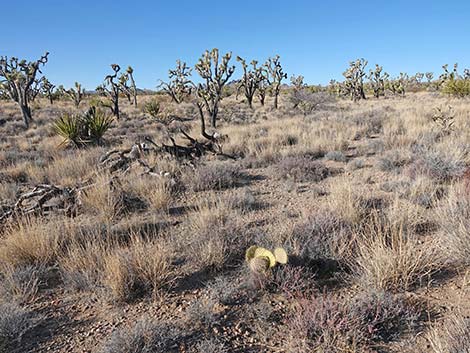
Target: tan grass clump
{"x":390,"y":257}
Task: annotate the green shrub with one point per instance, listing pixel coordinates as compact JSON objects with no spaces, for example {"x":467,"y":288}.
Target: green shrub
{"x":457,"y":87}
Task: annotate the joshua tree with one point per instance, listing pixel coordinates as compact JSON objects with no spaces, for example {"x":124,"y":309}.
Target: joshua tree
{"x":429,"y":76}
{"x":112,"y":87}
{"x":263,"y":84}
{"x":354,"y":83}
{"x":275,"y":76}
{"x":75,"y":94}
{"x":47,"y":88}
{"x":133,"y":87}
{"x":377,"y":81}
{"x":18,"y":79}
{"x":216,"y":76}
{"x":250,"y":80}
{"x":419,"y":77}
{"x":179,"y":87}
{"x":398,"y":85}
{"x":298,"y":86}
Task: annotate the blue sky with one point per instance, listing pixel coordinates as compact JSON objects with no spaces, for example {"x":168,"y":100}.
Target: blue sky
{"x":315,"y":39}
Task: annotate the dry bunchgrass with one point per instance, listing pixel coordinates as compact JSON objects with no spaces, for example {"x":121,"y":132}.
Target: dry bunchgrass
{"x":347,"y":199}
{"x":391,"y":257}
{"x":216,"y":235}
{"x":125,"y":267}
{"x":451,"y":336}
{"x":34,"y":241}
{"x":453,"y":217}
{"x":141,"y":267}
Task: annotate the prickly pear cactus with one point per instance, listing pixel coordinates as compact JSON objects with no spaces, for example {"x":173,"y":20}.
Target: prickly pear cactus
{"x":259,"y":264}
{"x":260,"y":260}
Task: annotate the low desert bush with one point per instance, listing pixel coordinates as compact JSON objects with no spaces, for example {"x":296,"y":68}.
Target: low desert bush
{"x":392,"y":161}
{"x":21,"y":284}
{"x":301,"y":169}
{"x":330,"y":323}
{"x":320,"y":237}
{"x":202,"y":311}
{"x":144,"y":337}
{"x":215,"y":176}
{"x":210,"y":345}
{"x":337,"y":156}
{"x":438,"y":165}
{"x":15,"y":322}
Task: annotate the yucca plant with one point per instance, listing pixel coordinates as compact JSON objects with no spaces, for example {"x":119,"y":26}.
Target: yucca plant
{"x":152,"y":108}
{"x":68,"y":127}
{"x":96,"y":123}
{"x":80,"y":130}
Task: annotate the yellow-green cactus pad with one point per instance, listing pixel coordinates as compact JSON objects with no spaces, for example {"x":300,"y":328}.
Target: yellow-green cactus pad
{"x":280,"y":255}
{"x":259,"y":264}
{"x":262,"y":252}
{"x":250,"y":253}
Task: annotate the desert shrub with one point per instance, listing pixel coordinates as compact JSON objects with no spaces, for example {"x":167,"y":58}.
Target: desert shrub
{"x":329,"y":323}
{"x":356,"y":164}
{"x":217,"y":238}
{"x":112,"y":200}
{"x":224,"y":289}
{"x":210,"y":345}
{"x":290,"y":280}
{"x":390,"y":257}
{"x":457,"y":87}
{"x":451,"y":337}
{"x":202,"y":311}
{"x":144,"y":337}
{"x":385,"y":316}
{"x":453,"y":217}
{"x":156,"y":192}
{"x":243,"y":200}
{"x":21,"y":283}
{"x":307,"y":101}
{"x":15,"y":322}
{"x":216,"y":176}
{"x":301,"y":169}
{"x":390,"y":161}
{"x":321,"y":236}
{"x":422,"y":191}
{"x":439,"y":165}
{"x":337,"y":156}
{"x":369,"y":122}
{"x":348,"y":201}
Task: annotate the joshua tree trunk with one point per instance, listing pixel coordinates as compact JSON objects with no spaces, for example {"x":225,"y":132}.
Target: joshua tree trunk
{"x":27,"y":117}
{"x":214,"y":117}
{"x":116,"y":107}
{"x":250,"y":101}
{"x":275,"y":101}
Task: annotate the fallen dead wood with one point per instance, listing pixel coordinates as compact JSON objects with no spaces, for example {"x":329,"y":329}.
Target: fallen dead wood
{"x":44,"y":199}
